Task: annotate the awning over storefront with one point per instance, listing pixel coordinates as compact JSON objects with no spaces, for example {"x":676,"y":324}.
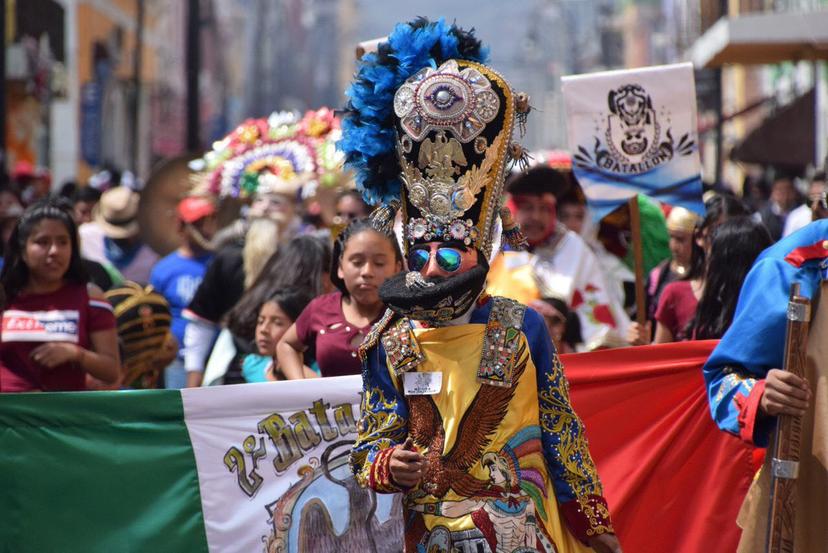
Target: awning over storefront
{"x":763,"y":38}
{"x":785,"y":139}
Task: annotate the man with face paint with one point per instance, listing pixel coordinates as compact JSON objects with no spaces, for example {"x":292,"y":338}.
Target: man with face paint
{"x":563,"y":262}
{"x":465,"y":405}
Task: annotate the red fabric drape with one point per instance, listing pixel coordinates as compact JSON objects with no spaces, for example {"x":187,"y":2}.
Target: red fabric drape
{"x":673,"y":480}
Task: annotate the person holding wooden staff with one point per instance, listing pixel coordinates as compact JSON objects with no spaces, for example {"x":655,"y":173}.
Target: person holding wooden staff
{"x":748,"y":391}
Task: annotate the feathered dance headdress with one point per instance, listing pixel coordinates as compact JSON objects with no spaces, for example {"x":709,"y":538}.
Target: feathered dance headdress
{"x":430,"y":126}
{"x":280,"y":154}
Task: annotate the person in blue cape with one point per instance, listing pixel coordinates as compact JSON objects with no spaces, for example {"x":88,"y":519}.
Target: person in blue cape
{"x":745,"y":386}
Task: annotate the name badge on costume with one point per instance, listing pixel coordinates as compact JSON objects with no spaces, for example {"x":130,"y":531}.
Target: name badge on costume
{"x":422,"y":384}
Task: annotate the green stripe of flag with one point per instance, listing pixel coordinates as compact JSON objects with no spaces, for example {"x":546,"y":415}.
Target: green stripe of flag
{"x":97,"y":471}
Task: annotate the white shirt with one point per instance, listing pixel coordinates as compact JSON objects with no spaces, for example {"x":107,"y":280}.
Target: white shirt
{"x":798,"y":218}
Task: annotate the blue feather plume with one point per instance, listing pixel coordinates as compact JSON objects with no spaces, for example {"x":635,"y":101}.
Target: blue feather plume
{"x":368,"y":135}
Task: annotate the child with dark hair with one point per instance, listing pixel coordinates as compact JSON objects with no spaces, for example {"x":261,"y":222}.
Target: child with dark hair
{"x":333,"y":326}
{"x":84,"y":199}
{"x":301,"y":263}
{"x":276,"y":315}
{"x":55,"y":328}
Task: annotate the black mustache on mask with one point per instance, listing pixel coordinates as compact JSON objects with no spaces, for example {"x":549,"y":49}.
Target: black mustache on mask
{"x":448,"y":298}
{"x":436,"y":280}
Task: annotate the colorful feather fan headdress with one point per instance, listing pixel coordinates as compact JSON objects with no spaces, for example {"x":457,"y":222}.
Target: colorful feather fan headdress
{"x":279,"y":154}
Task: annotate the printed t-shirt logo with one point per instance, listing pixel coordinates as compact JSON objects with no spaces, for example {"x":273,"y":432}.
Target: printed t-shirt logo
{"x":40,"y":326}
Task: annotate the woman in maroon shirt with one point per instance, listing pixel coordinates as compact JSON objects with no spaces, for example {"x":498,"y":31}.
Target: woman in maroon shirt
{"x":54,"y":329}
{"x":333,"y":326}
{"x":702,"y":309}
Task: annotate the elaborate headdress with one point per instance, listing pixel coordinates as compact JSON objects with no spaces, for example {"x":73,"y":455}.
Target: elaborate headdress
{"x":280,"y":154}
{"x":429,"y":127}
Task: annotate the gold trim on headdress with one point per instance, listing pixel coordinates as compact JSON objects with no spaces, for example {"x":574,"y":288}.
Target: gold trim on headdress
{"x":443,"y":110}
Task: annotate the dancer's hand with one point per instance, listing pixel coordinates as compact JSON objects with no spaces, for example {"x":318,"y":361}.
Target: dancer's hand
{"x":785,"y":394}
{"x":406,"y":465}
{"x":605,"y":543}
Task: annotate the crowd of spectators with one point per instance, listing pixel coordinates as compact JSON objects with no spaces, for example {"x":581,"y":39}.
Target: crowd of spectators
{"x":282,"y":293}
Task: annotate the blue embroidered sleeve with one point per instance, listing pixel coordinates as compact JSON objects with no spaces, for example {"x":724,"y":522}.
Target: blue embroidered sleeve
{"x":575,"y":478}
{"x":383,"y":424}
{"x":753,"y":345}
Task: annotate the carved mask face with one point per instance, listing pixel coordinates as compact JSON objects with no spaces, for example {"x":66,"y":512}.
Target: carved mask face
{"x":634,"y":142}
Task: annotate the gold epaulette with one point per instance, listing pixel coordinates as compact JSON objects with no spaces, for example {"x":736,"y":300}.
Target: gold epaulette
{"x":374,"y":335}
{"x":501,"y":341}
{"x":402,"y":351}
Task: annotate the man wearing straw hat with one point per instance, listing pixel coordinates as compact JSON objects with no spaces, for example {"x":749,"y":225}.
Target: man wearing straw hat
{"x":113,"y":237}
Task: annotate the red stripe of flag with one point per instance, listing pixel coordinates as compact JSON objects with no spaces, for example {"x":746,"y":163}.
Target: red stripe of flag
{"x":673,"y":480}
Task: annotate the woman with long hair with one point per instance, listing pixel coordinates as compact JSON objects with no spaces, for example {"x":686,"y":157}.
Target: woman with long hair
{"x":679,"y":300}
{"x":56,"y":327}
{"x":735,"y":246}
{"x":299,"y":264}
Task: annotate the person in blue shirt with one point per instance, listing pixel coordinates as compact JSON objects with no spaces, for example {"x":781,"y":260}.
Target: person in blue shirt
{"x":178,"y":275}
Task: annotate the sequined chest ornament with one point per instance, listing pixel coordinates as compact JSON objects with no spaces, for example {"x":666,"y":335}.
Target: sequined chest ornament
{"x":501,"y":340}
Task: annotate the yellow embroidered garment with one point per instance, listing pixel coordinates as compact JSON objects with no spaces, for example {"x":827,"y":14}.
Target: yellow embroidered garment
{"x":455,"y":351}
{"x":507,"y":462}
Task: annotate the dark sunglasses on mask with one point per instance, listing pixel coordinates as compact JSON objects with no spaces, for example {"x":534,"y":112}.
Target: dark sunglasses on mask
{"x":448,"y":259}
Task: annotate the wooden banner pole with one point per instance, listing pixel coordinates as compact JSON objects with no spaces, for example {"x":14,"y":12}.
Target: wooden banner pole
{"x":638,"y":257}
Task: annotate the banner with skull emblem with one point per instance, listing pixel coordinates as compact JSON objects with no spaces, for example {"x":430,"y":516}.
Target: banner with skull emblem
{"x":635,"y":132}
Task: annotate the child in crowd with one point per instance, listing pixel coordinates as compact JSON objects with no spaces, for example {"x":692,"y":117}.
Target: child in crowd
{"x":333,"y":326}
{"x":563,"y":325}
{"x":301,"y":263}
{"x":276,"y":315}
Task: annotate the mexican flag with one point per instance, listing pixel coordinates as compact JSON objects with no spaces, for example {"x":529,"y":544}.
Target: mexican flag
{"x":209,"y":469}
{"x":263,"y":467}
